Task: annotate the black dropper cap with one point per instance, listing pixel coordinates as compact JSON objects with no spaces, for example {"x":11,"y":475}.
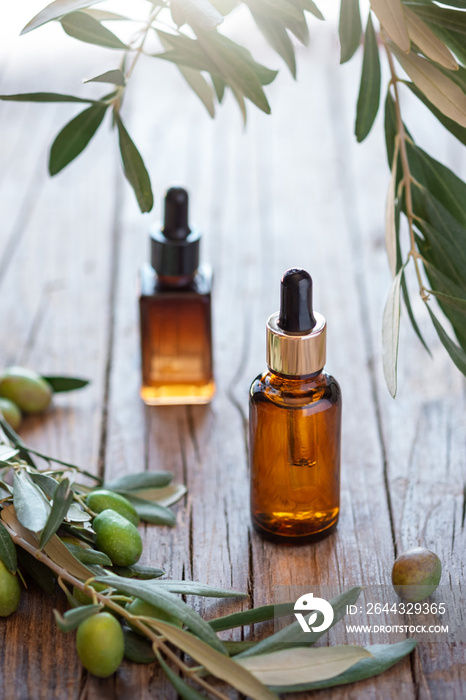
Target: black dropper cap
{"x":175,"y":248}
{"x":296,"y":315}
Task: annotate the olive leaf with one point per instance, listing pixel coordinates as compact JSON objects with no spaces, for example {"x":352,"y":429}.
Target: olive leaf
{"x":290,"y":667}
{"x":31,"y":507}
{"x":77,"y":515}
{"x":74,"y":137}
{"x":73,"y":618}
{"x":62,"y":499}
{"x":450,"y":124}
{"x":40,"y":573}
{"x":137,"y":648}
{"x":457,"y":354}
{"x":200,"y":13}
{"x":196,"y":588}
{"x":250,"y":617}
{"x":278,"y":38}
{"x":391,"y":16}
{"x":7,"y":550}
{"x":151,"y":593}
{"x":61,"y":384}
{"x":390,"y":225}
{"x":45,"y":97}
{"x":151,"y":512}
{"x":165,"y":496}
{"x":349,"y":29}
{"x":444,"y":93}
{"x":139,"y":480}
{"x":200,"y":86}
{"x":382,"y":657}
{"x":293,"y":634}
{"x":216,"y":663}
{"x":369,"y":90}
{"x":7,"y":452}
{"x":184,"y":690}
{"x":390,"y":333}
{"x":82,"y":26}
{"x":87,"y":555}
{"x":47,"y":483}
{"x":427,"y":41}
{"x":134,"y":168}
{"x":139,"y":571}
{"x":56,"y":9}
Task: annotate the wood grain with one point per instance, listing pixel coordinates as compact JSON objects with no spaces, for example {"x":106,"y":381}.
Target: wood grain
{"x":290,"y":190}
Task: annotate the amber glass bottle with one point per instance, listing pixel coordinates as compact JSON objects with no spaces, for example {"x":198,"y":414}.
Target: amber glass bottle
{"x":175,"y":313}
{"x":295,"y":424}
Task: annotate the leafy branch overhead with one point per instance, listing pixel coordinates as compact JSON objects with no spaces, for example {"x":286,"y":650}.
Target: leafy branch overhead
{"x":49,"y":532}
{"x":421,"y":41}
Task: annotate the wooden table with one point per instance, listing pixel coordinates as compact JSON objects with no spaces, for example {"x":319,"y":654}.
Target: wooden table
{"x":293,"y":189}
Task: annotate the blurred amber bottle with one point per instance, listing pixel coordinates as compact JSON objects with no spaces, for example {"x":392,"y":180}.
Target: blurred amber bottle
{"x":295,"y":424}
{"x":175,"y":313}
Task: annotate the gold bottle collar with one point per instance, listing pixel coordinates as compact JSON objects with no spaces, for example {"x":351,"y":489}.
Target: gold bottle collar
{"x":296,"y":353}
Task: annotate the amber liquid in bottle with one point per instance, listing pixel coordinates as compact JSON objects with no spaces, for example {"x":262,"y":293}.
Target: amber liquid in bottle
{"x":176,"y":338}
{"x":295,"y":425}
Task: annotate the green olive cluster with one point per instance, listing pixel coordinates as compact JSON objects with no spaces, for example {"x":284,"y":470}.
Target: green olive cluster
{"x":22,"y":391}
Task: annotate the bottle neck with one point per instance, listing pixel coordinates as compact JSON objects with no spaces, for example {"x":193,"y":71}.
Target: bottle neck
{"x":302,"y":382}
{"x":175,"y":282}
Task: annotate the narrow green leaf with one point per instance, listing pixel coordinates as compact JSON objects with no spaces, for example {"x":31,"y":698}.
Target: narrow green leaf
{"x":83,"y":27}
{"x":390,"y":333}
{"x":55,"y":10}
{"x":62,"y":499}
{"x":139,"y":571}
{"x":404,"y":289}
{"x":456,"y":353}
{"x":217,"y":664}
{"x":45,"y":97}
{"x":7,"y":452}
{"x":291,"y":667}
{"x":200,"y":13}
{"x":139,"y":480}
{"x":182,"y":688}
{"x":74,"y":137}
{"x":31,"y":506}
{"x":114,"y":77}
{"x":77,"y":515}
{"x":137,"y":649}
{"x":349,"y":29}
{"x":195,"y":588}
{"x":453,"y":127}
{"x":219,"y":87}
{"x":369,"y":89}
{"x":278,"y":38}
{"x":134,"y":168}
{"x":61,"y":384}
{"x":87,"y":555}
{"x":250,"y":617}
{"x":233,"y":67}
{"x":293,"y":634}
{"x":7,"y":550}
{"x":105,"y":16}
{"x":383,"y":657}
{"x":200,"y":86}
{"x":450,"y":19}
{"x":151,"y":593}
{"x":47,"y":483}
{"x":235,"y":648}
{"x":311,"y":7}
{"x":166,"y":496}
{"x":451,"y":299}
{"x":152,"y":512}
{"x":73,"y":618}
{"x":440,"y":181}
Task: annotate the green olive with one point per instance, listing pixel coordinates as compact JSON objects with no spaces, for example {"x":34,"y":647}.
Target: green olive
{"x":11,"y":413}
{"x":416,"y":574}
{"x":26,"y":388}
{"x":101,"y":499}
{"x":117,"y":538}
{"x":10,"y":591}
{"x":86,"y":598}
{"x":100,"y":644}
{"x":142,"y":609}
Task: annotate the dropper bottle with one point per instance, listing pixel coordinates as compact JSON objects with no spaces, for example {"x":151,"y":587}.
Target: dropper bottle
{"x":175,"y":312}
{"x":295,"y":424}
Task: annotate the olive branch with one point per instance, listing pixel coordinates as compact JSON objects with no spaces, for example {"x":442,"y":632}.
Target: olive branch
{"x":424,"y":38}
{"x":260,"y":670}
